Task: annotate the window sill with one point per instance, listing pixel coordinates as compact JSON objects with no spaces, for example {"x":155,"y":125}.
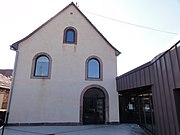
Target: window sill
{"x":71,"y":43}
{"x":40,"y":77}
{"x":94,"y":79}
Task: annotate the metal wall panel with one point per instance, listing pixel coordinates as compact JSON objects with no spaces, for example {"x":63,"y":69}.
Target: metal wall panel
{"x":175,"y":65}
{"x":162,"y":97}
{"x":159,"y":102}
{"x":131,"y":81}
{"x":142,"y":79}
{"x":163,"y":74}
{"x":167,"y":96}
{"x":155,"y":101}
{"x":135,"y":80}
{"x":138,"y":78}
{"x":147,"y":76}
{"x":171,"y":84}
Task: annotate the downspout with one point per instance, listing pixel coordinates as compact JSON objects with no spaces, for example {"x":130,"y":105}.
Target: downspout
{"x":12,"y":87}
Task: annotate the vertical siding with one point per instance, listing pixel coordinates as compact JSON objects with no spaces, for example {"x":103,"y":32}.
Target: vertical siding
{"x":178,"y":61}
{"x":131,"y":80}
{"x":175,"y":66}
{"x":138,"y":78}
{"x":127,"y":81}
{"x":147,"y":76}
{"x":142,"y":77}
{"x":163,"y":74}
{"x":158,"y":98}
{"x":172,"y":87}
{"x":167,"y":96}
{"x":155,"y":102}
{"x":163,"y":97}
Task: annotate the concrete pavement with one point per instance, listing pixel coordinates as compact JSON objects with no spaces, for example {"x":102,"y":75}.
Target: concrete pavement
{"x":122,"y":129}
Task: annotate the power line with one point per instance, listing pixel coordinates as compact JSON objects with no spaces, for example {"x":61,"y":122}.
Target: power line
{"x":133,"y":24}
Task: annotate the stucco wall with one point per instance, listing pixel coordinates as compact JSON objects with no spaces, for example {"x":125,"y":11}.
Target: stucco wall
{"x":58,"y":99}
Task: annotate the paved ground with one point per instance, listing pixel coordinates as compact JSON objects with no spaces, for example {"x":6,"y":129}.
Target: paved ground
{"x":122,"y":129}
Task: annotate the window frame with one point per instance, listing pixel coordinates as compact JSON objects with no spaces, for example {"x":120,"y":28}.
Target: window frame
{"x":35,"y":58}
{"x":100,"y":69}
{"x":65,"y":35}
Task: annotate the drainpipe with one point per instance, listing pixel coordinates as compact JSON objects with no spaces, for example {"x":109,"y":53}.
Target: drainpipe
{"x":12,"y":87}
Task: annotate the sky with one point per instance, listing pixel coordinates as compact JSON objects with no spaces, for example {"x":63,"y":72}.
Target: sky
{"x":117,"y":20}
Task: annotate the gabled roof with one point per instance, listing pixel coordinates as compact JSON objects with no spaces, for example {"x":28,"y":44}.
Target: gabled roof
{"x":6,"y":72}
{"x":15,"y":45}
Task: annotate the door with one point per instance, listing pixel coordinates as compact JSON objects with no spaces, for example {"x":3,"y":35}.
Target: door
{"x":136,"y":106}
{"x":93,"y":107}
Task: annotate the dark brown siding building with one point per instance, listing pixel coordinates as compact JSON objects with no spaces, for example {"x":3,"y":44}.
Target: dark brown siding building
{"x":150,"y":94}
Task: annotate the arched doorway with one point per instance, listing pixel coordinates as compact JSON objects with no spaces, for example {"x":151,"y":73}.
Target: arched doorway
{"x":102,"y":94}
{"x":94,"y":106}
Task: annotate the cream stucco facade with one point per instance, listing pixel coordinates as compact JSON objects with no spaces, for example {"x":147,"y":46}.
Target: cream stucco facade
{"x":58,"y":99}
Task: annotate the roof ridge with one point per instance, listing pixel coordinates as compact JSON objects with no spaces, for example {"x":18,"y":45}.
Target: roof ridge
{"x":15,"y":45}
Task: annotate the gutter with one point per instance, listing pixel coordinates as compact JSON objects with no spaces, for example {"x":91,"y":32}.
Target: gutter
{"x":12,"y":86}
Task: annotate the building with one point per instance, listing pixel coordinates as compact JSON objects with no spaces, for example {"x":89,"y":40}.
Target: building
{"x":6,"y":72}
{"x":150,"y":94}
{"x":64,"y":74}
{"x":5,"y":83}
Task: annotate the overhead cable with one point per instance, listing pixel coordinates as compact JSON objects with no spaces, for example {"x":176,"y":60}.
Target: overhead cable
{"x":133,"y":24}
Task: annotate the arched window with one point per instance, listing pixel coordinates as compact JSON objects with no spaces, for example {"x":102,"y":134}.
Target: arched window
{"x":93,"y":68}
{"x":41,"y":66}
{"x":70,"y":35}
